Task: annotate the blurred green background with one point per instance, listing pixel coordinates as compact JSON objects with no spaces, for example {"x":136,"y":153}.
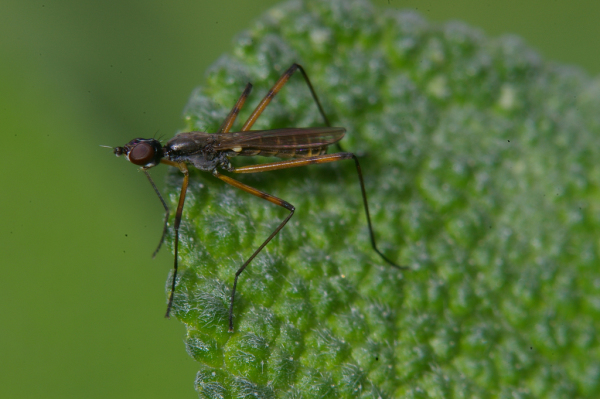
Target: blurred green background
{"x":78,"y":225}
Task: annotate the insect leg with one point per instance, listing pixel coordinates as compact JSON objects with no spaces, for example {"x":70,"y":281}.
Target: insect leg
{"x":186,"y":177}
{"x":228,"y":122}
{"x":293,"y":163}
{"x":164,"y":232}
{"x":275,"y":89}
{"x":270,"y":198}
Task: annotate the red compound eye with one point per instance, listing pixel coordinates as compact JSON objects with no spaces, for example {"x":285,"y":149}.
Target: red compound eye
{"x":141,"y":154}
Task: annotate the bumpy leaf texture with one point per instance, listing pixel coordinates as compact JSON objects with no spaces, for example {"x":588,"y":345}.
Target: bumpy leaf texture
{"x":481,"y":167}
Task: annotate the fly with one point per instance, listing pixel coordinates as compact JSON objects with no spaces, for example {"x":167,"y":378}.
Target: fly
{"x":212,"y":151}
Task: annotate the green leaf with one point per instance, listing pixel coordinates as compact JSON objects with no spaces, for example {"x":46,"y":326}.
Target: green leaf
{"x":480,"y":163}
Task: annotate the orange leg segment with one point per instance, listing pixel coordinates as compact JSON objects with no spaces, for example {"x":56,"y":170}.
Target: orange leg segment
{"x":270,"y":198}
{"x":275,"y":89}
{"x":228,"y":122}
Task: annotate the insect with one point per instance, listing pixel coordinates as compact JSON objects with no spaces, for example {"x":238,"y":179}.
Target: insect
{"x":212,"y":151}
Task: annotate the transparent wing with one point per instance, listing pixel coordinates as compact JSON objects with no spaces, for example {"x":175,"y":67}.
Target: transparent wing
{"x":279,"y":139}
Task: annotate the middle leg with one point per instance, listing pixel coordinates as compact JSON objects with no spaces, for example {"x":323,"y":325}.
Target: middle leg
{"x":228,"y":122}
{"x":275,"y":89}
{"x":268,"y":197}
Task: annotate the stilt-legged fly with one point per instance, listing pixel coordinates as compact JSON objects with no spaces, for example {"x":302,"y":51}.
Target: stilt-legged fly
{"x":212,"y":151}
